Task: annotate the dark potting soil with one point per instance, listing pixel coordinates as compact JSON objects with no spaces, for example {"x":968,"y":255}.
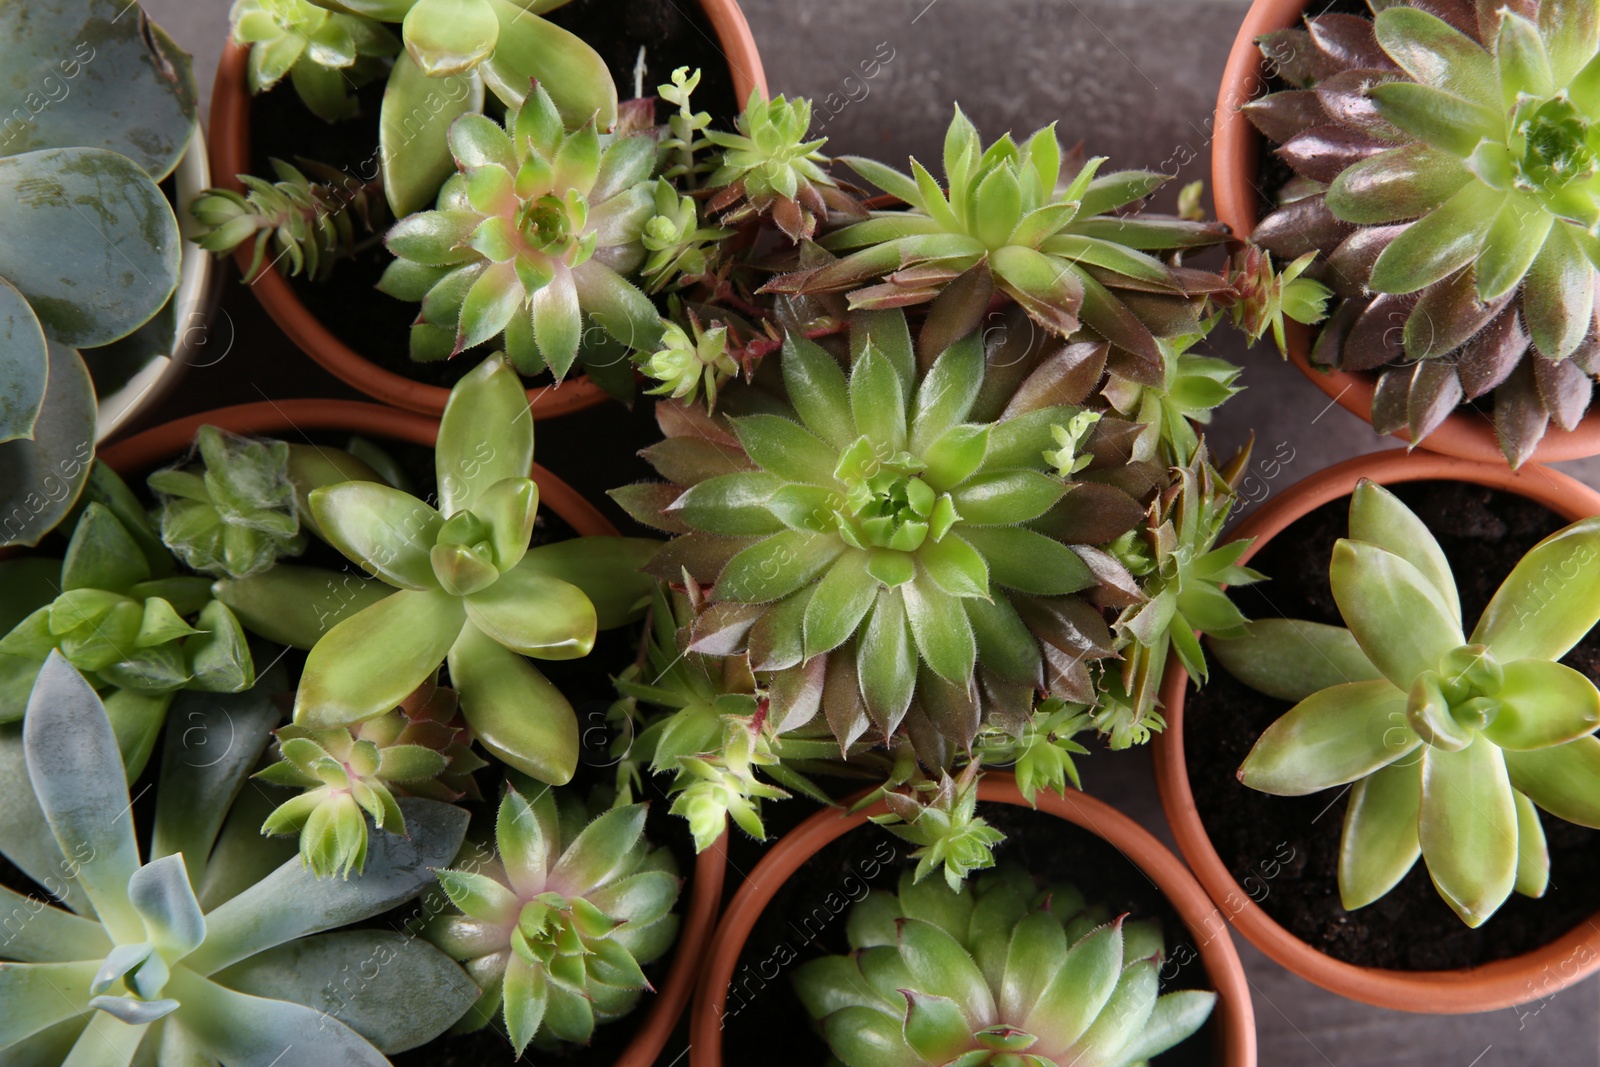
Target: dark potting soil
{"x":764,"y":1021}
{"x":377,"y":326}
{"x":1284,"y":850}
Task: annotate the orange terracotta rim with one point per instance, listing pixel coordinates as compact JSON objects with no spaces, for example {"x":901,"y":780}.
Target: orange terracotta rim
{"x":1235,"y":166}
{"x":1236,"y":1032}
{"x":230,"y":157}
{"x":1503,"y":983}
{"x":161,"y":444}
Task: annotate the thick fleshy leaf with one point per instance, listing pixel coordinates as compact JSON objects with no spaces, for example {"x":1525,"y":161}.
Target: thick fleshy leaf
{"x":609,"y":570}
{"x":1565,"y":780}
{"x":22,"y":378}
{"x":485,"y":436}
{"x":1080,"y":988}
{"x":877,"y":401}
{"x":95,"y":79}
{"x":1396,"y":613}
{"x":385,"y":530}
{"x":296,"y":605}
{"x":291,"y":902}
{"x":41,"y":933}
{"x":1176,"y":1016}
{"x":1008,"y":498}
{"x":78,"y":778}
{"x":839,"y":604}
{"x":1124,"y":1015}
{"x":57,"y":459}
{"x":371,"y":661}
{"x":88,"y":206}
{"x":940,"y":966}
{"x":1380,"y":845}
{"x":1468,"y":828}
{"x":1543,"y":704}
{"x":535,"y":614}
{"x":785,"y":448}
{"x":1534,"y":617}
{"x":414,"y":129}
{"x":866,"y":1037}
{"x":255,"y":1031}
{"x":1291,"y":659}
{"x":776,"y":566}
{"x":1533,"y":853}
{"x":595,"y":855}
{"x":1439,"y":244}
{"x":619,"y":306}
{"x":450,"y":36}
{"x":731,"y":504}
{"x":532,"y":49}
{"x":816,"y":386}
{"x":1378,"y":517}
{"x":941,"y":631}
{"x":935,"y":1026}
{"x":515,"y":711}
{"x":1437,"y":54}
{"x":1332,"y":737}
{"x":34,"y":999}
{"x":1029,"y":562}
{"x":886,"y":661}
{"x":1558,"y":296}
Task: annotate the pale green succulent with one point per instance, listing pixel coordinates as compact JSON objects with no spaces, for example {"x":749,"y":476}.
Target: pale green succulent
{"x":555,"y":927}
{"x":942,"y":818}
{"x":324,"y":54}
{"x":1002,"y":974}
{"x":690,"y":363}
{"x":173,"y":958}
{"x":768,"y":167}
{"x":1448,"y":741}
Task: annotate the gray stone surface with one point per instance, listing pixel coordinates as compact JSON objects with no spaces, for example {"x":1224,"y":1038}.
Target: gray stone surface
{"x":1136,"y":80}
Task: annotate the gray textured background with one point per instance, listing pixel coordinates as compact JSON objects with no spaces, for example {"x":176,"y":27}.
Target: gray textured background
{"x":1136,"y":80}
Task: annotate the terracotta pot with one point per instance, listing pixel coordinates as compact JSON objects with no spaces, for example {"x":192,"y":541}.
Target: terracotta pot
{"x":1500,"y":984}
{"x":1234,"y":1018}
{"x":230,"y":157}
{"x":161,"y":444}
{"x":1235,"y":165}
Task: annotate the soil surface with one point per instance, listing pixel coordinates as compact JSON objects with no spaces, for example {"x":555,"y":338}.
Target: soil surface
{"x":377,"y":326}
{"x":1284,"y":850}
{"x":765,"y":1023}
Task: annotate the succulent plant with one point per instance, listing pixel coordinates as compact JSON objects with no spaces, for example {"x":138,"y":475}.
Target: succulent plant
{"x":119,"y":612}
{"x":1191,"y":388}
{"x":1002,"y":974}
{"x":324,"y":53}
{"x":690,"y":362}
{"x":531,"y":239}
{"x":1040,"y":753}
{"x":890,"y":542}
{"x":768,"y":168}
{"x":680,"y":248}
{"x":1009,"y":222}
{"x":467,"y":589}
{"x":234,"y":513}
{"x":713,"y":734}
{"x":1263,"y":299}
{"x":421,"y":749}
{"x":454,"y":50}
{"x":309,"y":225}
{"x":555,"y":926}
{"x":1448,"y":741}
{"x":942,"y":819}
{"x":1444,"y":168}
{"x":176,"y":958}
{"x":685,"y":134}
{"x":1183,"y":585}
{"x":104,"y":108}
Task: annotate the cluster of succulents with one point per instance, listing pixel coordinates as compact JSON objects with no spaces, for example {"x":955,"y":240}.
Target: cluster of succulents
{"x":1445,"y":180}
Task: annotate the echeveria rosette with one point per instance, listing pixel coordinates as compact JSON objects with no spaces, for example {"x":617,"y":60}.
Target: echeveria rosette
{"x":233,"y":514}
{"x":554,"y":927}
{"x":1446,"y":169}
{"x":1182,"y":571}
{"x":173,"y":957}
{"x":768,"y":167}
{"x":531,"y":238}
{"x":118,"y":610}
{"x":345,"y":774}
{"x":890,"y":544}
{"x":468,"y":590}
{"x":325,"y":54}
{"x":1449,"y":740}
{"x":1010,"y":220}
{"x":1001,"y":974}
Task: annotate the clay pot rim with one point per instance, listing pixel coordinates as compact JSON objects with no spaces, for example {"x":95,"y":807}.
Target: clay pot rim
{"x":229,"y":131}
{"x":1234,"y":1014}
{"x":146,"y":450}
{"x":1465,"y":433}
{"x":1502,"y":983}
